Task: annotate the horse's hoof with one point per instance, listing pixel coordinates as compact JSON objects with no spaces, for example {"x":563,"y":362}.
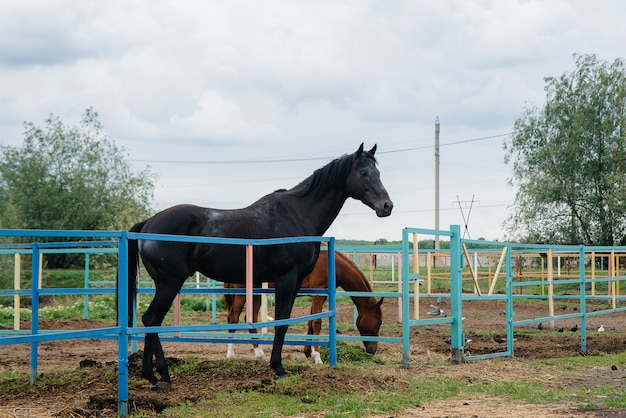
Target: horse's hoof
{"x":162,"y":386}
{"x":280,"y":371}
{"x":317,"y":357}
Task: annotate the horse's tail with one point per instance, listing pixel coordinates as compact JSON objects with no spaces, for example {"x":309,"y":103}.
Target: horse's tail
{"x":133,"y":268}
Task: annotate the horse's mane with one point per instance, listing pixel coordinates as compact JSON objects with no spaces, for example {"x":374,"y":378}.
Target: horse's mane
{"x":334,"y":172}
{"x":358,"y":271}
{"x":370,"y":288}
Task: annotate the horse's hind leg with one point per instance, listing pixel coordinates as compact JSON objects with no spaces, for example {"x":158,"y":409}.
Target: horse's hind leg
{"x":234,"y":312}
{"x":153,"y":316}
{"x":315,"y":326}
{"x":154,"y":349}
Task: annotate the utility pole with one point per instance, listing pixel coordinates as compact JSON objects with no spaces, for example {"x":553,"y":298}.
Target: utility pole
{"x":437,"y":181}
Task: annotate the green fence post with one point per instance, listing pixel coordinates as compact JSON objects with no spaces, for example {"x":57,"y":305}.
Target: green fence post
{"x":406,"y":330}
{"x":583,"y":299}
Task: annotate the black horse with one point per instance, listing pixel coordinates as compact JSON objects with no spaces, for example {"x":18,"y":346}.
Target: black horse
{"x":308,"y":209}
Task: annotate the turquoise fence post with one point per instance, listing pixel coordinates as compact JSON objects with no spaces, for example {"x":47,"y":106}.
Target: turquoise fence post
{"x":213,"y":298}
{"x":34,"y":326}
{"x":406,"y":330}
{"x":583,"y":298}
{"x":509,"y":302}
{"x":123,"y":310}
{"x":457,"y":339}
{"x":332,"y":304}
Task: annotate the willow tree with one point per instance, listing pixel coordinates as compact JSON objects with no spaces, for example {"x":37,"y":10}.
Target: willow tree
{"x":569,"y":159}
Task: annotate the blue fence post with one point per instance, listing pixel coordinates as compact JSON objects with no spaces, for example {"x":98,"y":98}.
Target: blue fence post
{"x":457,"y":339}
{"x":123,"y":310}
{"x":332,"y":304}
{"x":34,"y":323}
{"x":86,"y":297}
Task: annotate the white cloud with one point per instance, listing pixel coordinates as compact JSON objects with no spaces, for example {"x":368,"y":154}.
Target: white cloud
{"x":219,"y":117}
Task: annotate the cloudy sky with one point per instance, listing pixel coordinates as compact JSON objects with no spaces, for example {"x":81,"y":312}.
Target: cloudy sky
{"x":229,"y":100}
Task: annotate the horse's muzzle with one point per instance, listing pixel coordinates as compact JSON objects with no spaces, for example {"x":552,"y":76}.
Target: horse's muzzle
{"x":385,"y":209}
{"x":370,"y":347}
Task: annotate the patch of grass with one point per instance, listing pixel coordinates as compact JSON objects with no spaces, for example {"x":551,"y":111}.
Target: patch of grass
{"x":66,"y":278}
{"x":14,"y":381}
{"x":604,"y":360}
{"x":193,"y":304}
{"x":532,"y":393}
{"x":12,"y":374}
{"x":350,"y":353}
{"x":291,"y":397}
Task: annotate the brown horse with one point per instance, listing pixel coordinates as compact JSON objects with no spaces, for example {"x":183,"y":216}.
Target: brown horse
{"x":349,"y":278}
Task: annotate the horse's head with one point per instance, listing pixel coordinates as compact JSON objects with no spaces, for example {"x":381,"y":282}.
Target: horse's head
{"x":364,"y":183}
{"x":368,"y":323}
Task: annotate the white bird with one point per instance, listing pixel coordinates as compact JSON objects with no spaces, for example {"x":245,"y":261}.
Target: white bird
{"x":436,"y":310}
{"x":601,"y":329}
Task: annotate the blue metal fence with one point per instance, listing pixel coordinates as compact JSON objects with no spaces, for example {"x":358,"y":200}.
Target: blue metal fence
{"x":457,"y":296}
{"x":124,"y":333}
{"x":118,"y":242}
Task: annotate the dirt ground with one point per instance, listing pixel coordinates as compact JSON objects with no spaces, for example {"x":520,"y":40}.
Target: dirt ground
{"x":93,"y":392}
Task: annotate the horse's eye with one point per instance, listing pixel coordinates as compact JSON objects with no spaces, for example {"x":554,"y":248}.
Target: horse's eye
{"x":364,"y":173}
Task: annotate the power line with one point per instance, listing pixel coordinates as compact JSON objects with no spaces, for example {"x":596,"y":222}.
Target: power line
{"x":288,"y":160}
{"x":479,"y":208}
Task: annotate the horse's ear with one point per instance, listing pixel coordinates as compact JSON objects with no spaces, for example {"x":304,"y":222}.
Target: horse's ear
{"x":380,"y":302}
{"x":373,"y":150}
{"x":360,"y":150}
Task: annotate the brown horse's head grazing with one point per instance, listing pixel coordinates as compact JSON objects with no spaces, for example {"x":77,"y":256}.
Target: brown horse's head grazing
{"x":370,"y":317}
{"x":368,"y":323}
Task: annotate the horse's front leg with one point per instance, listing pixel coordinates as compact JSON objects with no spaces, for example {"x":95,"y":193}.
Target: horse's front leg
{"x":286,"y":291}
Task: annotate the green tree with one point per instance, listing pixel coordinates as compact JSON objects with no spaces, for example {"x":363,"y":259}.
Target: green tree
{"x":71,"y":177}
{"x":569,"y":159}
